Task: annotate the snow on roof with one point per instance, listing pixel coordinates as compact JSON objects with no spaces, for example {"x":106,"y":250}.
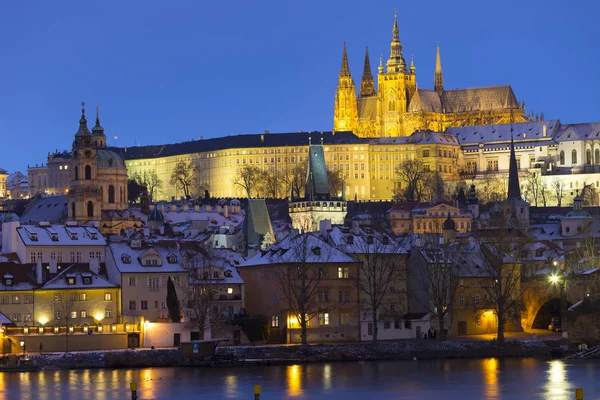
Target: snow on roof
{"x":79,"y":272}
{"x":119,"y":250}
{"x":4,"y":320}
{"x":35,"y":235}
{"x":303,"y":248}
{"x":47,"y":208}
{"x":364,"y":241}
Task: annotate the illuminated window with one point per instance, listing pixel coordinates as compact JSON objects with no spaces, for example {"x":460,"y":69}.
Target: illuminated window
{"x":343,"y":272}
{"x":323,"y":319}
{"x":107,"y":296}
{"x":275,"y":321}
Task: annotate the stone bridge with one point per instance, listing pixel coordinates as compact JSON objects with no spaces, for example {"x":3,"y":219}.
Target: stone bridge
{"x":541,"y":300}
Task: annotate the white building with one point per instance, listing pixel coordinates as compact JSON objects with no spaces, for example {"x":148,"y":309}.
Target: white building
{"x":44,"y":242}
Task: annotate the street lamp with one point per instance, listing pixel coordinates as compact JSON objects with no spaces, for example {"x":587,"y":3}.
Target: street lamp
{"x":23,"y":345}
{"x":559,"y":279}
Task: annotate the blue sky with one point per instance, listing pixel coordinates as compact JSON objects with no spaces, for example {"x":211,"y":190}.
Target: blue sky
{"x":169,"y":71}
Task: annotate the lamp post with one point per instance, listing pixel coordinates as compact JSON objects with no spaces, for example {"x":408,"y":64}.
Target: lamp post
{"x":560,"y":279}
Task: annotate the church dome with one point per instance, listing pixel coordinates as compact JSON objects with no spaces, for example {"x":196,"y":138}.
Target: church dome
{"x":156,"y":216}
{"x":109,"y":159}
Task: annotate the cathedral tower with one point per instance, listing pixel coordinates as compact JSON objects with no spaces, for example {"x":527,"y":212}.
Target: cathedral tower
{"x":396,"y":87}
{"x":367,"y":84}
{"x":345,"y":117}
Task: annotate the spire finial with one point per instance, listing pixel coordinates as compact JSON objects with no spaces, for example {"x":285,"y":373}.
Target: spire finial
{"x":309,"y":141}
{"x":97,"y":113}
{"x":380,"y":68}
{"x":438,"y":81}
{"x":412,"y":64}
{"x":345,"y":67}
{"x":367,"y":84}
{"x":83,"y":108}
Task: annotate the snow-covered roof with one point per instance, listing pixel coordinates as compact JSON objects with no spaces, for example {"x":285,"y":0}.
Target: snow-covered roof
{"x":123,"y":252}
{"x":4,"y":320}
{"x":60,"y":235}
{"x":302,"y":248}
{"x":47,"y":208}
{"x":230,"y":274}
{"x":363,"y":240}
{"x":78,"y":272}
{"x":522,"y":133}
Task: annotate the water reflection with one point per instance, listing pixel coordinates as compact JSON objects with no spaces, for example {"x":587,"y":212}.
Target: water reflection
{"x":490,"y":376}
{"x":557,"y":385}
{"x":231,"y":386}
{"x":294,"y":380}
{"x":327,"y":376}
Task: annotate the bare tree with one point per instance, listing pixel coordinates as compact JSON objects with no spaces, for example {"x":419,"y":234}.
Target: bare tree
{"x":150,"y":180}
{"x":295,"y":179}
{"x":503,"y":274}
{"x":533,"y":185}
{"x":182,"y":177}
{"x":64,"y":311}
{"x":558,"y":187}
{"x":435,"y":277}
{"x":272,"y":181}
{"x":413,"y":175}
{"x":202,"y":292}
{"x":336,"y":181}
{"x":299,"y":276}
{"x":381,"y":267}
{"x":588,"y":194}
{"x":248,"y":178}
{"x":434,"y":185}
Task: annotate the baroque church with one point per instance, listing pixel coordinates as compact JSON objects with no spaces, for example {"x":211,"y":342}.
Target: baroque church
{"x":399,"y":108}
{"x":98,"y":190}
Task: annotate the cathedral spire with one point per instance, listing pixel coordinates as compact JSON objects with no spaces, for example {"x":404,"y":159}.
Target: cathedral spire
{"x":438,"y":82}
{"x":367,"y":85}
{"x":396,"y":62}
{"x":514,"y":189}
{"x":345,"y":68}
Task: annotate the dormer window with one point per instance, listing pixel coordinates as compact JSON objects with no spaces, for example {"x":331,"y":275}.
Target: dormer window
{"x":228,"y":274}
{"x":70,"y":280}
{"x":33,"y":236}
{"x":126,"y":258}
{"x":317,"y":251}
{"x":8,"y":279}
{"x":54,"y":237}
{"x":87,"y":280}
{"x":172,"y":258}
{"x":151,"y":262}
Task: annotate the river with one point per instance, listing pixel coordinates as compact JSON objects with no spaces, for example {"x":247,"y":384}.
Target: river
{"x":454,"y":379}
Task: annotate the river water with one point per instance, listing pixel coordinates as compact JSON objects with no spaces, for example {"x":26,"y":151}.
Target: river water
{"x":422,"y":379}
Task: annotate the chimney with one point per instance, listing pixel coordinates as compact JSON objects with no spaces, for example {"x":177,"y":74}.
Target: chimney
{"x":173,"y":207}
{"x":95,"y":265}
{"x":10,"y":237}
{"x":226,"y":210}
{"x":324,"y":227}
{"x":146,"y":232}
{"x":356,"y":227}
{"x":262,"y":138}
{"x":196,"y":208}
{"x":544,"y":130}
{"x":38,"y":272}
{"x":186,"y":208}
{"x":53,"y":267}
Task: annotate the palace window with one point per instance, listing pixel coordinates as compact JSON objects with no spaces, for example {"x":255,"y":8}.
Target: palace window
{"x":111,"y":194}
{"x":88,"y":172}
{"x":343,"y":272}
{"x":562,"y":157}
{"x":275,"y":321}
{"x":574,"y":157}
{"x":323,"y":319}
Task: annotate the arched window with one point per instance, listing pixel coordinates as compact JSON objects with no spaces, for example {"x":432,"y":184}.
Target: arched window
{"x":73,"y":209}
{"x":76,"y":172}
{"x":588,"y":157}
{"x":562,"y":157}
{"x":574,"y":157}
{"x":392,"y":106}
{"x":111,"y":194}
{"x":90,"y":209}
{"x":597,"y":156}
{"x":88,"y":172}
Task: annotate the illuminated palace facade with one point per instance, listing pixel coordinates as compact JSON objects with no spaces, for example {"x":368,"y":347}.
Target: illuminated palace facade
{"x":368,"y":165}
{"x":398,"y":107}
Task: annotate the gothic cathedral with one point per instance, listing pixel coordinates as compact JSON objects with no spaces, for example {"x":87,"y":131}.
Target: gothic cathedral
{"x":399,"y":108}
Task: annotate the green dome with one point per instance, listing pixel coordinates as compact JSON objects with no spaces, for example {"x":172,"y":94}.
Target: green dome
{"x":109,"y":159}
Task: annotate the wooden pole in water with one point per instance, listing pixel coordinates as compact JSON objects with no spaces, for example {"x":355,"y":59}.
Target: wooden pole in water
{"x":257,"y":390}
{"x":133,"y":387}
{"x":579,"y":394}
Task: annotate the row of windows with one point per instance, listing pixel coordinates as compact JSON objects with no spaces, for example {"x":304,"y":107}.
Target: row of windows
{"x":74,"y":256}
{"x":80,"y":297}
{"x":154,"y":283}
{"x":58,"y":315}
{"x":342,"y":273}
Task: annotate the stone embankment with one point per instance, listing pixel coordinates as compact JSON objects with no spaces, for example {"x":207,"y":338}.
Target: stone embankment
{"x":288,"y":354}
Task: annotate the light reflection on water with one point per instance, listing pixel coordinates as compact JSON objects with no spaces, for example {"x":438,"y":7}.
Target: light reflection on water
{"x":489,"y":379}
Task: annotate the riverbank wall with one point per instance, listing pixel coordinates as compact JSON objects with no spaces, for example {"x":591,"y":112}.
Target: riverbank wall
{"x":265,"y":355}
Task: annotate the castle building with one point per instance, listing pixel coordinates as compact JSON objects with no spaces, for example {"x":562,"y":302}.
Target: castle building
{"x":398,"y":107}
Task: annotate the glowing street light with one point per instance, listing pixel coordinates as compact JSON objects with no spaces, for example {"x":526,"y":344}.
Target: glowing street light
{"x":554,"y":278}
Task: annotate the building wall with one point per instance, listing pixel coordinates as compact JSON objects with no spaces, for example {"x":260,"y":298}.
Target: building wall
{"x":265,"y":297}
{"x":58,"y":342}
{"x":38,"y":308}
{"x":139,"y":290}
{"x":62,"y":254}
{"x":3,"y":190}
{"x":37,"y":178}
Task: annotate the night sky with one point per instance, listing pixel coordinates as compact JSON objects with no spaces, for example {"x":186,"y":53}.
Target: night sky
{"x":170,"y":71}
